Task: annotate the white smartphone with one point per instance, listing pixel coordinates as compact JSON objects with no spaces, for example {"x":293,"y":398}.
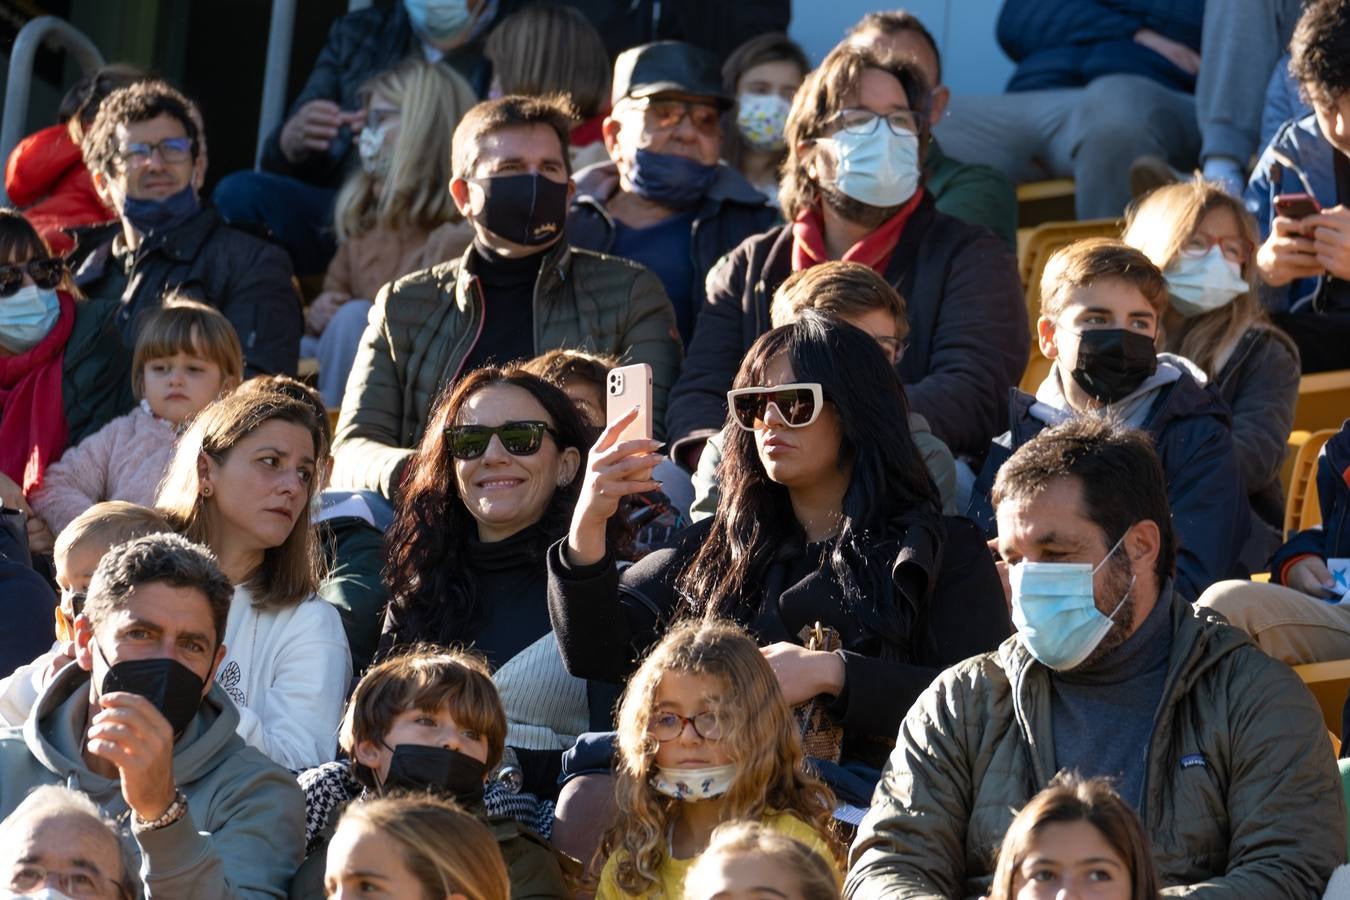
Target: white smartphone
{"x":626,"y":387}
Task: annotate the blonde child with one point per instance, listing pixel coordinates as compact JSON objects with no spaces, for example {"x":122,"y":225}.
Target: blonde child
{"x":414,"y":848}
{"x":747,"y":860}
{"x":187,"y":354}
{"x":1076,"y":838}
{"x":425,"y":720}
{"x":705,"y":737}
{"x":79,"y":547}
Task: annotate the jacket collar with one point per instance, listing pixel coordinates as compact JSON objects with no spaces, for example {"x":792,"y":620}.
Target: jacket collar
{"x":553,"y":272}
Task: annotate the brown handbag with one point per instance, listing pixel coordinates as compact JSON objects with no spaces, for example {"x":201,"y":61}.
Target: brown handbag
{"x":821,"y":737}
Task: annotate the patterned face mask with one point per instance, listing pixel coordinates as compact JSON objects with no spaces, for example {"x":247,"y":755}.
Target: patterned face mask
{"x":762,"y":119}
{"x":694,"y":784}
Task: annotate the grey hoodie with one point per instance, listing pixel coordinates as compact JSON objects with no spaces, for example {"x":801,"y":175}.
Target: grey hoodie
{"x":244,"y":832}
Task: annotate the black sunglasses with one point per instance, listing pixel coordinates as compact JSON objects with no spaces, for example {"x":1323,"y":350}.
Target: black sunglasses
{"x":46,"y":272}
{"x":519,"y":438}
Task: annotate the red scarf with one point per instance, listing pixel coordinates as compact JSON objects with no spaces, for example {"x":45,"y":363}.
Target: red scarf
{"x":32,"y":415}
{"x":589,"y":131}
{"x":873,"y":251}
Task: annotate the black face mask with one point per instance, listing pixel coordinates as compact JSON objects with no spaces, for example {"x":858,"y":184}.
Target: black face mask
{"x":1113,"y":362}
{"x":526,"y":209}
{"x":174,"y":689}
{"x":439,"y":770}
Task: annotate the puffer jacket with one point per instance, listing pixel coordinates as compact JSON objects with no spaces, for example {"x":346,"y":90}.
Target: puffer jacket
{"x":245,"y":277}
{"x":1190,"y":428}
{"x":423,"y":327}
{"x":45,"y":177}
{"x":1242,"y":795}
{"x":967,"y":328}
{"x":96,"y":370}
{"x":733,"y":211}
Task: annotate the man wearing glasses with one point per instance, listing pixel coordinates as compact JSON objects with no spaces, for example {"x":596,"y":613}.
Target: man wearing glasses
{"x":146,"y":154}
{"x":664,"y":200}
{"x":58,"y":840}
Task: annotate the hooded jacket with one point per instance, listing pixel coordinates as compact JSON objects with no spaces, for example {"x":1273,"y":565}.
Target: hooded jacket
{"x":46,"y":177}
{"x":424,"y":326}
{"x":1190,"y":428}
{"x":967,"y":328}
{"x":244,"y":832}
{"x":732,"y":211}
{"x":1242,"y":795}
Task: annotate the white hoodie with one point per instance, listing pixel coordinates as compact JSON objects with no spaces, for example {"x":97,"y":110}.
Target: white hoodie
{"x":287,"y":671}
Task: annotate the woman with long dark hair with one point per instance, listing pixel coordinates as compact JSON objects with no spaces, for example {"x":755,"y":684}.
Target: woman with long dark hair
{"x":828,"y":544}
{"x":492,"y":485}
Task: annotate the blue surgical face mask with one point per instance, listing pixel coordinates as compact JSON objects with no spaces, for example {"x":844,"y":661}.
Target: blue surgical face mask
{"x":879,"y":169}
{"x":673,"y":181}
{"x":1055,"y":611}
{"x":440,"y":22}
{"x":148,"y":216}
{"x":1201,"y":284}
{"x":27,"y":317}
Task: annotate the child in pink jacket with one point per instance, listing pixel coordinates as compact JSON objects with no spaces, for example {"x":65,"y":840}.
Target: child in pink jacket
{"x":187,"y":355}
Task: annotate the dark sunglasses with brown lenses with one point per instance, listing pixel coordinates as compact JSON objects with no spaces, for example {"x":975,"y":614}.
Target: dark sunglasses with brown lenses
{"x":46,"y":272}
{"x":519,"y":438}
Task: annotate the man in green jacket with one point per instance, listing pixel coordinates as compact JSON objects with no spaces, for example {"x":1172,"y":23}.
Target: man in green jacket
{"x":1219,"y":748}
{"x":139,"y":725}
{"x":517,"y":292}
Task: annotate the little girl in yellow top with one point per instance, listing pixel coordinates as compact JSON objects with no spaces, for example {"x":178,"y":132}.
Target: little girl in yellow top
{"x":705,"y":737}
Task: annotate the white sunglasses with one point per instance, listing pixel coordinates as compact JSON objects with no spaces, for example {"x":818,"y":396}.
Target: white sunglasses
{"x":797,"y":404}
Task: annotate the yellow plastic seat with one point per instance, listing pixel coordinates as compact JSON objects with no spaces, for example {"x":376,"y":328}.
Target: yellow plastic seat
{"x":1323,"y":400}
{"x":1329,"y":683}
{"x":1301,"y":509}
{"x":332,"y":418}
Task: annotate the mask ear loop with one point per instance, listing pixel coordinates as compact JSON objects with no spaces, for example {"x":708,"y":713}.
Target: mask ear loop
{"x":1125,"y":596}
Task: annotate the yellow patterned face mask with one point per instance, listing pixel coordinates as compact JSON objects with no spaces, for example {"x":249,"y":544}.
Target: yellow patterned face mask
{"x":762,"y":119}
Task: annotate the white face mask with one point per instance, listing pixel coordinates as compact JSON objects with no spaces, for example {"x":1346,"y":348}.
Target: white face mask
{"x":879,"y":169}
{"x":694,"y":784}
{"x":46,"y":893}
{"x":1201,"y":284}
{"x":376,"y":155}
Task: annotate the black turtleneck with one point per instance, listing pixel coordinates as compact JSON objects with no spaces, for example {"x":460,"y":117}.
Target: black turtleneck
{"x":510,"y":583}
{"x":508,"y":306}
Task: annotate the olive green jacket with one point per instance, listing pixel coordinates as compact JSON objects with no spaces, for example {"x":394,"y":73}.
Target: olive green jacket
{"x":424,"y":325}
{"x":1242,"y":794}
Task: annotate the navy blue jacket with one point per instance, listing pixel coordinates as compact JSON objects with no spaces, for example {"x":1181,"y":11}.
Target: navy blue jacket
{"x":1190,"y":427}
{"x":1332,"y":539}
{"x":733,"y":211}
{"x":1068,"y":43}
{"x":27,"y":600}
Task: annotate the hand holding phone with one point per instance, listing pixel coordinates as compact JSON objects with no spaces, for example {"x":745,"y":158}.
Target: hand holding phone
{"x":1296,"y":206}
{"x":625,"y":388}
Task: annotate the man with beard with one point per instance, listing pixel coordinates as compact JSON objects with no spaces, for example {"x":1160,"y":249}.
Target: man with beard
{"x":1220,"y":749}
{"x":852,"y":189}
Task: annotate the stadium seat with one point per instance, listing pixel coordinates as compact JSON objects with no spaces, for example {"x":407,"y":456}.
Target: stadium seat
{"x":1300,"y":506}
{"x":1044,"y":201}
{"x":1323,"y":400}
{"x":1329,"y":683}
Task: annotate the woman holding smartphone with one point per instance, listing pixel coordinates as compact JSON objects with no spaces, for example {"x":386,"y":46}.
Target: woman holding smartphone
{"x":828,"y":532}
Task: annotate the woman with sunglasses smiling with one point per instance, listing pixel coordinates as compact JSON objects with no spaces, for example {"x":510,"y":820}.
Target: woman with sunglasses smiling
{"x":492,"y":485}
{"x":60,"y":363}
{"x":828,"y":524}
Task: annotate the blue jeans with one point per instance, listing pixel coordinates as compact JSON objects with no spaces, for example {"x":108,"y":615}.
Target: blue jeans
{"x":299,"y":215}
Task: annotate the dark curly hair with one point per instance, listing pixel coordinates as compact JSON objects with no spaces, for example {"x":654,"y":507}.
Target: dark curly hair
{"x":140,"y":102}
{"x":1320,"y":51}
{"x":432,"y":591}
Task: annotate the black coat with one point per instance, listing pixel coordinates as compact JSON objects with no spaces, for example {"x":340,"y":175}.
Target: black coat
{"x":967,"y":328}
{"x":248,"y":279}
{"x":606,"y":620}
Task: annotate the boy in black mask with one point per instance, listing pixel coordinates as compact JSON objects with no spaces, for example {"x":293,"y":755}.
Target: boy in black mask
{"x":1102,"y":306}
{"x":426,"y":720}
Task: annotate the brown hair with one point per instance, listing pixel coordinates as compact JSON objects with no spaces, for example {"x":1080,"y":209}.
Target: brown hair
{"x":139,"y":102}
{"x":80,"y":104}
{"x":562,"y":366}
{"x":509,"y":112}
{"x":424,"y":677}
{"x":549,"y":49}
{"x":896,"y":21}
{"x":1159,"y":225}
{"x":182,"y":325}
{"x":815,"y":879}
{"x":773,"y":46}
{"x":841,"y":289}
{"x":1085,"y":262}
{"x":823,"y":94}
{"x":1070,"y":798}
{"x":289,"y":573}
{"x":1319,"y":51}
{"x":448,"y":850}
{"x":758,"y":733}
{"x":109,"y":523}
{"x":296,"y":390}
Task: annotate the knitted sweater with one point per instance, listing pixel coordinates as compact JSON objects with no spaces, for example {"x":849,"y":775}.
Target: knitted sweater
{"x":123,"y":460}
